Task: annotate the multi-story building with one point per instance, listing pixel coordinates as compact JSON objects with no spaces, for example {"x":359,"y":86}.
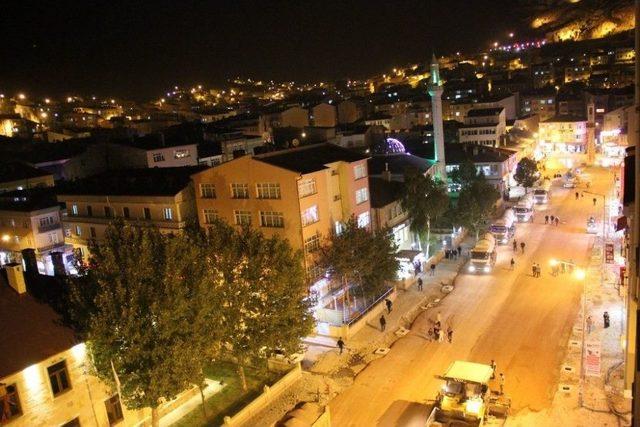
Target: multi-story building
{"x":31,"y":226}
{"x":154,"y":151}
{"x":162,"y":197}
{"x":350,"y":110}
{"x":540,"y":101}
{"x":22,"y":176}
{"x":564,"y":137}
{"x":577,"y":73}
{"x":484,"y":126}
{"x":282,"y":117}
{"x":302,"y":194}
{"x":543,"y":75}
{"x":324,"y":115}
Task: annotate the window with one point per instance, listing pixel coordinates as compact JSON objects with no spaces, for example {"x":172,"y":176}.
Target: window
{"x":89,"y":210}
{"x":11,"y":406}
{"x":312,"y":243}
{"x":47,"y":220}
{"x":167,"y":214}
{"x":314,"y":272}
{"x":364,"y":219}
{"x":207,"y":191}
{"x":59,"y":378}
{"x":240,"y":191}
{"x":125,"y":212}
{"x":147,"y":213}
{"x":158,"y":157}
{"x":74,"y":210}
{"x":242,"y":217}
{"x":271,"y":219}
{"x":310,"y":216}
{"x":209,"y":215}
{"x":53,"y":238}
{"x":362,"y":195}
{"x":73,"y":423}
{"x":395,"y":211}
{"x":359,"y":171}
{"x":339,"y":227}
{"x":78,"y":231}
{"x":268,"y":191}
{"x":307,"y":187}
{"x":92,"y":232}
{"x":107,"y":212}
{"x":114,"y":409}
{"x":181,"y":154}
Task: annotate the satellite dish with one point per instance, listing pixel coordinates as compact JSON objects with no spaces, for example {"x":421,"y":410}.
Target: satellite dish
{"x":295,"y":142}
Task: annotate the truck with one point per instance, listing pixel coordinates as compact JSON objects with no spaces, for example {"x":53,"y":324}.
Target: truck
{"x":466,"y":398}
{"x":524,"y":209}
{"x":504,"y":228}
{"x":483,"y":255}
{"x":541,"y":193}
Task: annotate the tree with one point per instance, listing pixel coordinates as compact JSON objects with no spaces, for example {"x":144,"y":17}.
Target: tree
{"x":359,"y":257}
{"x":475,"y":204}
{"x":265,"y":304}
{"x":526,"y":173}
{"x":424,"y":200}
{"x":144,"y":304}
{"x":465,"y":174}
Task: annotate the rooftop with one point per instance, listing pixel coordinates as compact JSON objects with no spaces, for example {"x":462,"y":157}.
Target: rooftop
{"x":310,"y":158}
{"x":31,"y":331}
{"x":564,"y":118}
{"x":28,"y":200}
{"x":481,"y":112}
{"x":15,"y":171}
{"x":458,"y":153}
{"x":134,"y":182}
{"x":384,"y":192}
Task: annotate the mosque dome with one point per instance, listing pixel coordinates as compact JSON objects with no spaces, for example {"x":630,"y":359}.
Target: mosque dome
{"x":388,"y":146}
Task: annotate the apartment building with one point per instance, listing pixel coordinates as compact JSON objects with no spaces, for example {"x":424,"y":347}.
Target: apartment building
{"x":539,"y":101}
{"x":302,"y":194}
{"x":566,"y":137}
{"x":324,"y":115}
{"x":16,"y":175}
{"x":161,"y":197}
{"x":484,"y":126}
{"x":153,"y":151}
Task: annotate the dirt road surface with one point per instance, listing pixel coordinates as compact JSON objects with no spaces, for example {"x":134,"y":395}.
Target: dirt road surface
{"x":520,"y":321}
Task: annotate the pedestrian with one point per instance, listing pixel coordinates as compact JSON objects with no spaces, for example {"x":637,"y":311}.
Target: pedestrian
{"x":433,"y":269}
{"x":589,"y":324}
{"x":430,"y":334}
{"x":501,"y":383}
{"x":447,"y":253}
{"x":605,"y":319}
{"x":582,"y":194}
{"x":513,"y":263}
{"x":449,"y":334}
{"x":534,"y":270}
{"x":439,"y":318}
{"x":522,"y":245}
{"x":389,"y":304}
{"x":594,"y":201}
{"x":419,"y":283}
{"x":552,"y":218}
{"x":577,"y":195}
{"x":459,"y":250}
{"x":557,"y":221}
{"x":515,"y":245}
{"x":546,"y":219}
{"x":493,"y":367}
{"x":383,"y":323}
{"x":340,"y":344}
{"x":436,"y":332}
{"x":440,"y":335}
{"x":416,"y":268}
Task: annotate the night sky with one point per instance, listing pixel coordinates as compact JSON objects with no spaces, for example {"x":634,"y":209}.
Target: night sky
{"x":137,"y":49}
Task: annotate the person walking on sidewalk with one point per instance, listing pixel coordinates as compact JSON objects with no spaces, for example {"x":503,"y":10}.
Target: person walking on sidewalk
{"x":557,"y":221}
{"x":589,"y":324}
{"x":522,"y":245}
{"x":546,"y":219}
{"x":440,"y":335}
{"x":449,"y":334}
{"x":493,"y":367}
{"x":515,"y":245}
{"x":459,"y":250}
{"x":513,"y":263}
{"x":383,"y":323}
{"x":605,"y":319}
{"x":420,"y":283}
{"x":577,"y":195}
{"x":433,"y":269}
{"x":594,"y":201}
{"x":389,"y":304}
{"x":501,"y":383}
{"x":340,"y":344}
{"x":552,"y":218}
{"x":534,"y":270}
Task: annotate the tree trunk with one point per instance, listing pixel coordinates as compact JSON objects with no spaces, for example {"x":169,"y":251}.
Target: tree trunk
{"x":155,"y":417}
{"x":204,"y":408}
{"x":243,"y":378}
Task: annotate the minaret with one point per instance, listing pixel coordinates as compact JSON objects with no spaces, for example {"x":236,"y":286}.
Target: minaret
{"x":435,"y":90}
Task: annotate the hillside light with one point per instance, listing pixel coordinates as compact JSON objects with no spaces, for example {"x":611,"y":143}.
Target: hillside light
{"x":511,"y":35}
{"x":580,"y":274}
{"x":21,"y":96}
{"x":6,"y":237}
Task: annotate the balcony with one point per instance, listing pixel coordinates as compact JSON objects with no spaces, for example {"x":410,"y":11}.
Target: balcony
{"x":49,"y":227}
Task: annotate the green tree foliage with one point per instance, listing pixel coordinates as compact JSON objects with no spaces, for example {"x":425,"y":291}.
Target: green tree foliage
{"x":526,"y":173}
{"x":144,"y":305}
{"x":475,"y":204}
{"x":358,"y":256}
{"x":465,"y":174}
{"x":264,"y":301}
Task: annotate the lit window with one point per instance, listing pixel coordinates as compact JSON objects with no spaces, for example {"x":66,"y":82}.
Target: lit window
{"x":167,"y":214}
{"x":362,"y":195}
{"x":114,"y":409}
{"x":242,"y":217}
{"x":359,"y":171}
{"x":207,"y":191}
{"x":181,"y":154}
{"x":339,"y":228}
{"x":11,"y":404}
{"x":307,"y":187}
{"x":158,"y":157}
{"x":268,"y":190}
{"x":271,"y":219}
{"x":310,"y":216}
{"x":240,"y":191}
{"x":364,"y":219}
{"x":74,"y":210}
{"x":209,"y":215}
{"x":312,"y":244}
{"x":78,"y":230}
{"x":59,"y":378}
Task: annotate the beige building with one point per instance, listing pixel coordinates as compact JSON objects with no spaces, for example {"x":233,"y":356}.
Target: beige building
{"x":162,"y":197}
{"x":484,"y":126}
{"x":153,"y":151}
{"x":564,"y":137}
{"x":350,"y":111}
{"x":302,"y":194}
{"x":324,"y":115}
{"x":295,"y":116}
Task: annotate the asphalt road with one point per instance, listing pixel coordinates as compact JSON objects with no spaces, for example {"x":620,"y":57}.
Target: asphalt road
{"x":522,"y":322}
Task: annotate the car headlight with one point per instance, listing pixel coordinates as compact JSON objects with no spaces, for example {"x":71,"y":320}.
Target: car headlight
{"x":487,"y":269}
{"x":472,"y":268}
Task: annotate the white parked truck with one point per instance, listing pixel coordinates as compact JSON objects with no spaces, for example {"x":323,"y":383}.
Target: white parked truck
{"x":524,"y":209}
{"x":465,"y":398}
{"x":504,"y":228}
{"x":541,"y":194}
{"x":483,"y":255}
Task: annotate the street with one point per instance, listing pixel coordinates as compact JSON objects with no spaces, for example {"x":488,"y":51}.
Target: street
{"x":521,"y":322}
